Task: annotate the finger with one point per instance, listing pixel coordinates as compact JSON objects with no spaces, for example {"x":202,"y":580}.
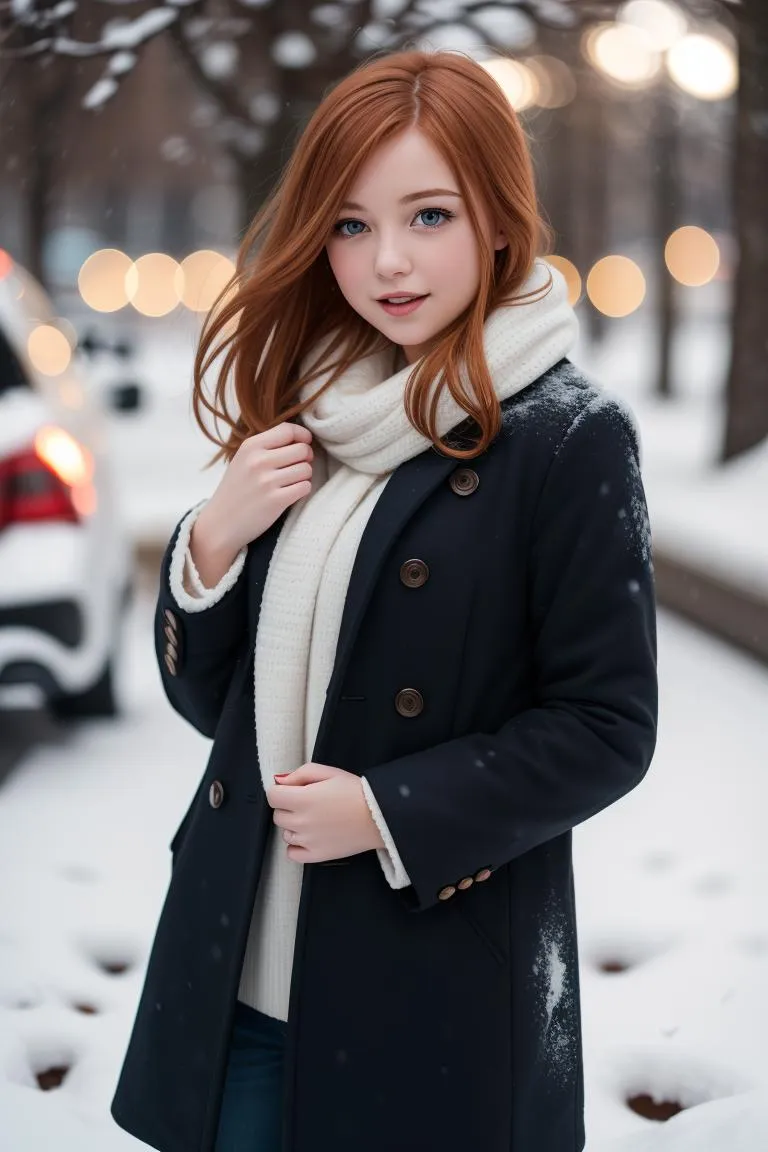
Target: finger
{"x":298,"y":853}
{"x":298,"y":776}
{"x":296,"y":453}
{"x":282,"y":434}
{"x":294,"y":474}
{"x":289,"y":799}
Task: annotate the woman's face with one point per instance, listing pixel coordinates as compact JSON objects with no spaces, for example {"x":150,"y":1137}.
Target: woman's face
{"x":387,"y":240}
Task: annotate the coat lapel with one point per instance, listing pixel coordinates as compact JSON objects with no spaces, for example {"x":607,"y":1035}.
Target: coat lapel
{"x":407,"y":488}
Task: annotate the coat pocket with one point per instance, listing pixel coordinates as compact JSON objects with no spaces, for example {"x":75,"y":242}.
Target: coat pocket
{"x":485,"y":910}
{"x":181,"y":831}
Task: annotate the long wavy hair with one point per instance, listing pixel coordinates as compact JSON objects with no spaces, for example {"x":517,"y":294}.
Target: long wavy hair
{"x":283,"y":296}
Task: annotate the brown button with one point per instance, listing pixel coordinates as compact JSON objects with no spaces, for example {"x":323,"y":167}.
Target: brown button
{"x":467,"y":882}
{"x":171,"y":633}
{"x":446,"y":893}
{"x":170,"y":663}
{"x":414,"y":573}
{"x":216,"y":794}
{"x":483,"y":874}
{"x":409,"y":702}
{"x":170,"y":618}
{"x":464,"y":481}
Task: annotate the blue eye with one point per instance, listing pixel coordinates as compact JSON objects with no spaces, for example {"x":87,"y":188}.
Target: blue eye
{"x":337,"y":228}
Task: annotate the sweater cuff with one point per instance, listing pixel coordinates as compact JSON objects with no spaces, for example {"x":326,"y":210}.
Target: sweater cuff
{"x":389,"y":858}
{"x":182,"y":564}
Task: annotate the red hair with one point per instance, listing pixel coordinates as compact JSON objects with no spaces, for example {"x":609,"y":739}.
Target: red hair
{"x":283,"y":297}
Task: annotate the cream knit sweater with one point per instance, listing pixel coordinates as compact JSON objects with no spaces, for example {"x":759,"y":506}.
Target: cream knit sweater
{"x":360,"y":435}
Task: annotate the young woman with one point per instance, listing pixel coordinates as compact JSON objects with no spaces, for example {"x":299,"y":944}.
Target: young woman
{"x":416,"y":617}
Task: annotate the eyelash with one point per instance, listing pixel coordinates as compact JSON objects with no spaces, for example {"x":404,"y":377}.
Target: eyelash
{"x":352,"y":220}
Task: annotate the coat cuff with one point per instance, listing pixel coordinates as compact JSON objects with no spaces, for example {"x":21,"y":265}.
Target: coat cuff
{"x":389,"y":858}
{"x":182,"y":562}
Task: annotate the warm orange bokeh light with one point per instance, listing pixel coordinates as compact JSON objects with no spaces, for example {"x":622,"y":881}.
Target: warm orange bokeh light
{"x":6,"y":264}
{"x":49,"y":350}
{"x":61,"y":452}
{"x":571,"y":274}
{"x":692,"y":256}
{"x":155,"y":284}
{"x":202,"y":277}
{"x":102,"y":280}
{"x":616,"y":286}
{"x":518,"y":83}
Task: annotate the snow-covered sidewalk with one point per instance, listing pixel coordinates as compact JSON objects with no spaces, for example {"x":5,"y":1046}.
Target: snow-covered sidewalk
{"x":671,"y":886}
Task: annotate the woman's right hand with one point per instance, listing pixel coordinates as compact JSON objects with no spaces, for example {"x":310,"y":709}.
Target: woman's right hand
{"x":269,"y":472}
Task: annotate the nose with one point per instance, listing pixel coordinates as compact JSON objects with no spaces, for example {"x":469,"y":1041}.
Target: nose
{"x":391,"y":258}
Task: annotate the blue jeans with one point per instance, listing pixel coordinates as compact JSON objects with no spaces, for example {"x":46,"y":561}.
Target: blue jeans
{"x":251,"y":1110}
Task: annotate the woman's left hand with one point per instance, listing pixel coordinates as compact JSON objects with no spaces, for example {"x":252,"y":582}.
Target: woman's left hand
{"x":326,"y":810}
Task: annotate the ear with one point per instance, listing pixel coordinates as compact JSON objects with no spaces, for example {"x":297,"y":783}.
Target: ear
{"x":500,"y":241}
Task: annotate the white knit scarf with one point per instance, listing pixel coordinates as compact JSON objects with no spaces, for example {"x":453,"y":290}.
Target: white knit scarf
{"x":361,"y":424}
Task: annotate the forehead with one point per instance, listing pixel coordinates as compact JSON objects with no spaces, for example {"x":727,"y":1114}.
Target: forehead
{"x":402,"y":165}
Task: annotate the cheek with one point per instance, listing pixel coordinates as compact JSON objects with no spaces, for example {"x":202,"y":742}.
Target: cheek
{"x":342,"y":265}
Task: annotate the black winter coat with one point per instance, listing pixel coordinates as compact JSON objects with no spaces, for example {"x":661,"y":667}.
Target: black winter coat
{"x":492,"y":706}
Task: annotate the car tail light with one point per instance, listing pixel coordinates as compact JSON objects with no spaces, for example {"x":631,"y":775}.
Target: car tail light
{"x":49,"y":481}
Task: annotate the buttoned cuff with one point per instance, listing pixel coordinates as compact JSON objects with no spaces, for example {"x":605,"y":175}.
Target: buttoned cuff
{"x":389,"y":858}
{"x":191,"y":594}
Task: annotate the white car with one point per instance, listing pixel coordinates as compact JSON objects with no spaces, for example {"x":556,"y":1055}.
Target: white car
{"x":65,"y":559}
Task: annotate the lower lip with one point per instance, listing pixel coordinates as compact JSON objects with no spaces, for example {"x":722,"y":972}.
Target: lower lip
{"x":403,"y":309}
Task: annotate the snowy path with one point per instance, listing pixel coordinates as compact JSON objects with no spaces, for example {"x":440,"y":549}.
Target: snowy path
{"x":671,"y":887}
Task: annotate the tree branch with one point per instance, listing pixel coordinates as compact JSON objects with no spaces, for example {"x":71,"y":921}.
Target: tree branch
{"x":225,"y":96}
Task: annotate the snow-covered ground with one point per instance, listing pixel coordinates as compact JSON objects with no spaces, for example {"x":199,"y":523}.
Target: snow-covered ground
{"x":671,"y":886}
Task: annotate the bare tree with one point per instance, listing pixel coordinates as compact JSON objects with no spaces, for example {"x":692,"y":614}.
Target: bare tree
{"x":747,"y":388}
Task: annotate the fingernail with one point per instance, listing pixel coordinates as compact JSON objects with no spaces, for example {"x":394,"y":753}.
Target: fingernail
{"x":278,"y":775}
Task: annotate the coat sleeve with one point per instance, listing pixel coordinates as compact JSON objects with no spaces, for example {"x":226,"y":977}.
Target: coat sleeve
{"x":198,"y":637}
{"x":484,"y":799}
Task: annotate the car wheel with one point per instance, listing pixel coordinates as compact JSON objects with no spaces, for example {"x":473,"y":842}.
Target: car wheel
{"x":98,"y":700}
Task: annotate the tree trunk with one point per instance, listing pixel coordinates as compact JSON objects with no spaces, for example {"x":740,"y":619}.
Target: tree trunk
{"x":665,"y":201}
{"x":747,"y":387}
{"x":46,"y":89}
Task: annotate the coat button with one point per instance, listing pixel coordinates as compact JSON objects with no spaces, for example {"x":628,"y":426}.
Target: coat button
{"x":170,"y":663}
{"x":446,"y":893}
{"x":414,"y":573}
{"x":216,"y":794}
{"x":483,"y":874}
{"x":170,"y":618}
{"x":467,"y":882}
{"x":409,"y":702}
{"x":464,"y":481}
{"x":171,"y":634}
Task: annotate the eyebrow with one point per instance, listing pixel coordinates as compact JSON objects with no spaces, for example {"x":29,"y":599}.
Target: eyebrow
{"x":407,"y":199}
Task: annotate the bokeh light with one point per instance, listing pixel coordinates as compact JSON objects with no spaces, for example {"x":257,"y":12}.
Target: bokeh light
{"x":704,"y":67}
{"x":518,"y":82}
{"x":69,"y":460}
{"x":154,"y":284}
{"x":6,"y":264}
{"x":202,"y":276}
{"x":624,"y":53}
{"x":555,"y":80}
{"x":692,"y":256}
{"x":49,"y":350}
{"x":616,"y":286}
{"x":663,"y":23}
{"x":571,"y":274}
{"x":102,"y":280}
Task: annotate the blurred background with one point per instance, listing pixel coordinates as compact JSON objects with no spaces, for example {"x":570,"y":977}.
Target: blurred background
{"x":136,"y":144}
